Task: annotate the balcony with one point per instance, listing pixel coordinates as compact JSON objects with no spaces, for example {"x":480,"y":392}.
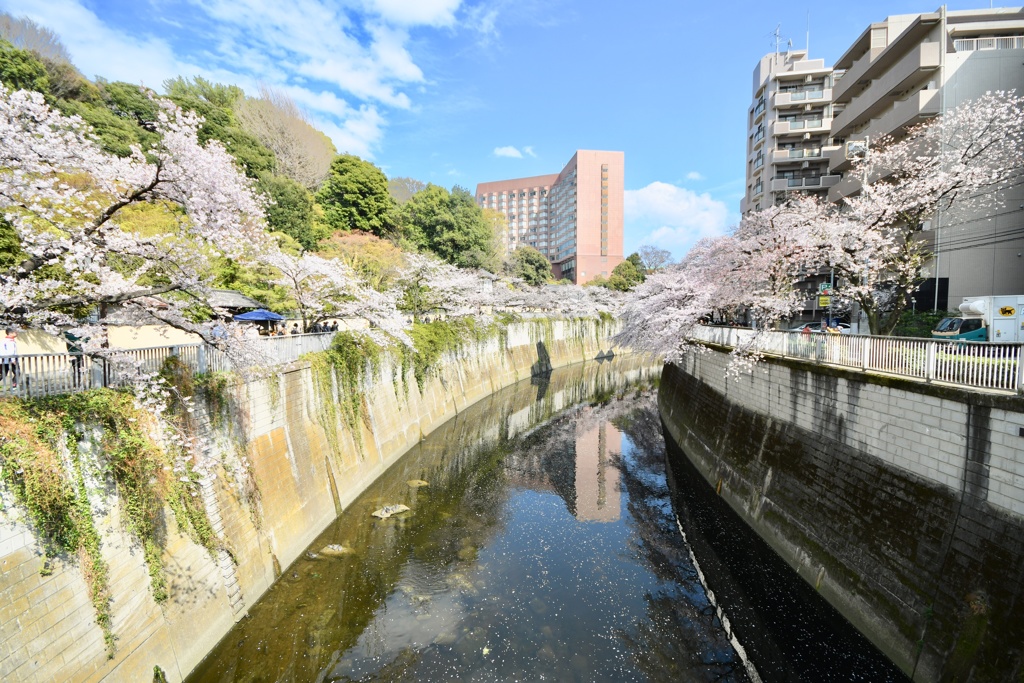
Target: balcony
{"x":820,"y":125}
{"x":812,"y":183}
{"x":781,"y":156}
{"x":837,"y":160}
{"x":843,"y":90}
{"x":916,"y":67}
{"x":759,"y":109}
{"x":799,"y":98}
{"x":922,"y":105}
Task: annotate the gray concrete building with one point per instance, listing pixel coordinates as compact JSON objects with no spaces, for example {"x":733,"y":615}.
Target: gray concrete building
{"x":899,"y":72}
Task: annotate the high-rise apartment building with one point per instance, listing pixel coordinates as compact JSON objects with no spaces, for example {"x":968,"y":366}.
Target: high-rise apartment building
{"x":897,"y":73}
{"x":788,"y":129}
{"x":574,"y":218}
{"x":907,"y":69}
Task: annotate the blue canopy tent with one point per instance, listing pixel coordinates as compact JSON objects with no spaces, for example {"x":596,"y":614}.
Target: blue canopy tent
{"x":260,"y":315}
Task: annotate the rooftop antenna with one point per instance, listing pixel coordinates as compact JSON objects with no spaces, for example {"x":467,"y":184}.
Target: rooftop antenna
{"x":778,"y":38}
{"x":808,"y":44}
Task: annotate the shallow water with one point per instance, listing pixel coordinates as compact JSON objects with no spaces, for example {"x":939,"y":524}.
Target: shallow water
{"x":544,"y":547}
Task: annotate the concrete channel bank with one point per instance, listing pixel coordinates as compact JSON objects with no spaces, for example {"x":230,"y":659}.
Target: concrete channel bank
{"x":901,"y":502}
{"x":309,"y":465}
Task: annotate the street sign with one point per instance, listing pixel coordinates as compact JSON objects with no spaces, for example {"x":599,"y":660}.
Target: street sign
{"x":824,"y":301}
{"x":824,"y":289}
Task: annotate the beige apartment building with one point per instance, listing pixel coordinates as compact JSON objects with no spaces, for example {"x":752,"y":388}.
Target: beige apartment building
{"x":900,"y":72}
{"x":574,"y":218}
{"x":788,"y":129}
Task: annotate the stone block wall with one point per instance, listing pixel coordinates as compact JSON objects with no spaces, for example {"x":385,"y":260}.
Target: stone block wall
{"x":900,"y":501}
{"x":307,"y":468}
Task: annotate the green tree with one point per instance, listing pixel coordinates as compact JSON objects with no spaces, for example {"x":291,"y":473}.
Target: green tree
{"x":291,"y":210}
{"x":116,"y":134}
{"x":377,"y":261}
{"x":67,"y":83}
{"x":22,"y":70}
{"x":452,"y":226}
{"x":626,"y":275}
{"x":425,"y":215}
{"x":256,"y":281}
{"x":213,"y":101}
{"x":355,"y":197}
{"x":10,"y":246}
{"x":638,"y":263}
{"x":216,"y":94}
{"x":129,"y":101}
{"x":530,"y":265}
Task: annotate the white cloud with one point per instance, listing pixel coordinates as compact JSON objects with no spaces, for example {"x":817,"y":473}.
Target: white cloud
{"x":360,"y":132}
{"x":346,"y":60}
{"x":673,"y":217}
{"x":694,"y":175}
{"x":508,"y":151}
{"x":428,"y":12}
{"x":98,"y":50}
{"x":529,"y":151}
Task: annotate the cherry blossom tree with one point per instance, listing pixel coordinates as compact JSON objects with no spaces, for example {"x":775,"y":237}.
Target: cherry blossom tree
{"x":575,"y":301}
{"x":65,"y":203}
{"x":427,"y":283}
{"x":958,"y":164}
{"x":661,"y":313}
{"x":327,"y":288}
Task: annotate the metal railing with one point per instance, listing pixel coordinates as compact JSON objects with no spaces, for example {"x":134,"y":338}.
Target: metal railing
{"x":45,"y":374}
{"x":978,"y":365}
{"x":992,"y":43}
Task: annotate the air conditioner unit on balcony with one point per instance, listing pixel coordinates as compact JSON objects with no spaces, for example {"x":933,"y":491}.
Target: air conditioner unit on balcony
{"x":806,"y":164}
{"x":808,"y":79}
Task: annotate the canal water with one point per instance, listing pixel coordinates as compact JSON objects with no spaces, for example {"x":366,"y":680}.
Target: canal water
{"x":541,"y":543}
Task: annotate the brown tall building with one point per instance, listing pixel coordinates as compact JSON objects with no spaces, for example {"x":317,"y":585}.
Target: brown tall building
{"x":574,"y":218}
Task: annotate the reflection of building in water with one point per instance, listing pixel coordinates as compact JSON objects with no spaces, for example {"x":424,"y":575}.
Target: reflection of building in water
{"x":597,"y":479}
{"x":573,"y":460}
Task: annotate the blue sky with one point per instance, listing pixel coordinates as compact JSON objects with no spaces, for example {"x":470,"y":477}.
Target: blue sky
{"x":468,"y":91}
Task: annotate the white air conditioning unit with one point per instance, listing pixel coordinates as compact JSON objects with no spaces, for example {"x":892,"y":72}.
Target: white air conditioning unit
{"x":808,"y":78}
{"x":806,"y":164}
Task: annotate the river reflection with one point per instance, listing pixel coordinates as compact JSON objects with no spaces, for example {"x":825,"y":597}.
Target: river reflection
{"x":544,"y":548}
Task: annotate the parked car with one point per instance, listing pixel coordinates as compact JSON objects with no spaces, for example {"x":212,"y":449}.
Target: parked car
{"x":816,"y":327}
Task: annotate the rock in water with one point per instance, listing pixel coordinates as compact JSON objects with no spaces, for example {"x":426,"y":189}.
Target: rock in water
{"x":335,"y":550}
{"x":389,"y":510}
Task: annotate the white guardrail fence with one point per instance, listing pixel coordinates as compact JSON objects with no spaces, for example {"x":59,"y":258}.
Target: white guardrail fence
{"x":44,"y":374}
{"x":977,"y":365}
{"x":966,"y":364}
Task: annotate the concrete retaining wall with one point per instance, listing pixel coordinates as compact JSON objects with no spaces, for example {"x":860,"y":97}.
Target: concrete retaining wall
{"x":48,"y":629}
{"x":902,"y":502}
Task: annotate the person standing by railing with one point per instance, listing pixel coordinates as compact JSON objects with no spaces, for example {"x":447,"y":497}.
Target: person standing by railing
{"x":9,"y":357}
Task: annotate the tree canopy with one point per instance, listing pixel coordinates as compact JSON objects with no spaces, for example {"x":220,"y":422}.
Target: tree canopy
{"x":451,"y":225}
{"x":291,"y":210}
{"x":530,"y":265}
{"x":355,"y":197}
{"x":303,"y":153}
